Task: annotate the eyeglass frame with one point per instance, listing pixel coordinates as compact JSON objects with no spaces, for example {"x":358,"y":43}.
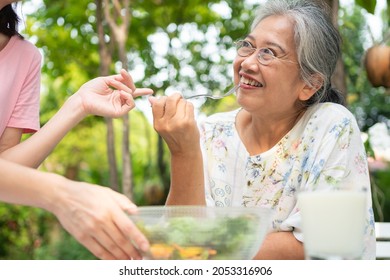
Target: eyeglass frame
{"x":259,"y":55}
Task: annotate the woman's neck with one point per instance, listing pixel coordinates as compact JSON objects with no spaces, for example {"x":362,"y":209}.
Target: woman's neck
{"x":260,"y":135}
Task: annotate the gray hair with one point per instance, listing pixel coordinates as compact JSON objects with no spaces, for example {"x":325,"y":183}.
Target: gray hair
{"x":318,"y":42}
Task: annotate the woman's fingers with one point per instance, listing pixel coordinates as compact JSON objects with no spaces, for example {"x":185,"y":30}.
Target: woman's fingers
{"x":127,"y":79}
{"x":130,"y":238}
{"x":119,"y":85}
{"x":189,"y":111}
{"x":127,"y":99}
{"x":166,"y":107}
{"x":122,"y":81}
{"x":172,"y":107}
{"x":142,"y":91}
{"x":116,"y":239}
{"x":113,"y":246}
{"x":124,"y":223}
{"x":158,"y":107}
{"x":97,"y":249}
{"x":135,"y":92}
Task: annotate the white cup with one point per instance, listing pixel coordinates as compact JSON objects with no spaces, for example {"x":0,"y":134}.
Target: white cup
{"x":333,"y":224}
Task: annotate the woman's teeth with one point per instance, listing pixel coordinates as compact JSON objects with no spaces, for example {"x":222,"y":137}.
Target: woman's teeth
{"x":250,"y":82}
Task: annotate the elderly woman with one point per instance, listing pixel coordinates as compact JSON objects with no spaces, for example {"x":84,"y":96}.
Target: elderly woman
{"x":290,"y":133}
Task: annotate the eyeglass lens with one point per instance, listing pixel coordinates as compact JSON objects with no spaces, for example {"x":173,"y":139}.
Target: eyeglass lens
{"x":245,"y":48}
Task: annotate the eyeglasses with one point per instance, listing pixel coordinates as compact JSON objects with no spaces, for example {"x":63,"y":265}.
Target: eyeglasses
{"x":265,"y":55}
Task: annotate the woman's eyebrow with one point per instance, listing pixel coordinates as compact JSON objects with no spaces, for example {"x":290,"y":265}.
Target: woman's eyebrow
{"x":268,"y":43}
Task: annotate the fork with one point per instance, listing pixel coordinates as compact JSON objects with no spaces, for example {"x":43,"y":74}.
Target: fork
{"x":232,"y":90}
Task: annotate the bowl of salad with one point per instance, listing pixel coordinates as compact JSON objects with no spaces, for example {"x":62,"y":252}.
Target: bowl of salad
{"x":201,"y":232}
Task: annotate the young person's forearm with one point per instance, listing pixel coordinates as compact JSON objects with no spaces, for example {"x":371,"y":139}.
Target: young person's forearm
{"x":34,"y":150}
{"x":26,"y":186}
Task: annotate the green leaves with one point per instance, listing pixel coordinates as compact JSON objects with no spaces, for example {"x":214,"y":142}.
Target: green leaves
{"x":369,"y":5}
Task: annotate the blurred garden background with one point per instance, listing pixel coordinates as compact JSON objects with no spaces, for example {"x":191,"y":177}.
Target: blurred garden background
{"x":169,"y":45}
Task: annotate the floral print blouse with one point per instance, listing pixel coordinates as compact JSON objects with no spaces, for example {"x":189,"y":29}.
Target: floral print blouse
{"x":323,"y":150}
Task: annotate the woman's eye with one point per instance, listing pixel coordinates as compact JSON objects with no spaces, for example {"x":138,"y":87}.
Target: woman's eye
{"x":267,"y":51}
{"x":246,"y":44}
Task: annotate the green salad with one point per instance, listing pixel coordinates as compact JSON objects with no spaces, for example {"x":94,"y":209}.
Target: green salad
{"x":197,"y":238}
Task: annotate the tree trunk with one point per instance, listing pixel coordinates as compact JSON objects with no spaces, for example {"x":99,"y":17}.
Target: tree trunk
{"x":113,"y":168}
{"x":72,"y":171}
{"x":105,"y":62}
{"x":338,"y":78}
{"x":127,"y":174}
{"x":117,"y":14}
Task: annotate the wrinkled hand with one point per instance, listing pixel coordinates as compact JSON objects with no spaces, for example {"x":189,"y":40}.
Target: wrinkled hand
{"x":111,"y":96}
{"x":173,"y":119}
{"x":96,"y":217}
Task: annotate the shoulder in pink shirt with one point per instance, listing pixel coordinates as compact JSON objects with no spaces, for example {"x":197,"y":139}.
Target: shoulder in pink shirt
{"x":20,"y":68}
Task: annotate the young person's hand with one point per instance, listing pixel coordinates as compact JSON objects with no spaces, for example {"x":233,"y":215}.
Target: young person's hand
{"x":110,"y":96}
{"x":97,"y":217}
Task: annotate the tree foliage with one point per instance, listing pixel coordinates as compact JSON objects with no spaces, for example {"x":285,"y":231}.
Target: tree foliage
{"x":370,"y":6}
{"x":173,"y":45}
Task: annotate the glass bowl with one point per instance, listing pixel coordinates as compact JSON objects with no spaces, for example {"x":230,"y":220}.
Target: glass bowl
{"x":201,"y":232}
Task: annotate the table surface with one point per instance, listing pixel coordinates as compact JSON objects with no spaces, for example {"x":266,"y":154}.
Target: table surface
{"x":382,"y":231}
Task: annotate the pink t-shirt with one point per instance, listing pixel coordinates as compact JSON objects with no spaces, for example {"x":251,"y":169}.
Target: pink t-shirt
{"x":20,"y":79}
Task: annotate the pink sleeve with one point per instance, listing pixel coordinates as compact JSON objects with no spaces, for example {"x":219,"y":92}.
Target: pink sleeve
{"x":26,"y":110}
{"x":20,"y":65}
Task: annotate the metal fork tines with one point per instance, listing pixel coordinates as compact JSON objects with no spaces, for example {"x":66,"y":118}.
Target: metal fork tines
{"x":232,"y":90}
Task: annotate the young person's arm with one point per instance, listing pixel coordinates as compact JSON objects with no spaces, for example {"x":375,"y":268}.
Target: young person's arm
{"x":96,"y":216}
{"x":110,"y":96}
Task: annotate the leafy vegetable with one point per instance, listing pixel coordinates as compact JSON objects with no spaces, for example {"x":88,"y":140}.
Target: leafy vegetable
{"x":200,"y":238}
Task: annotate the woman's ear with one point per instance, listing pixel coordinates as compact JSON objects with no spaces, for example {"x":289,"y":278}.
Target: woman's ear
{"x":316,"y":82}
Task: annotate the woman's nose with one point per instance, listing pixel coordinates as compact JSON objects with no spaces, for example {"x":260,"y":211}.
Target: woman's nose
{"x":250,"y":62}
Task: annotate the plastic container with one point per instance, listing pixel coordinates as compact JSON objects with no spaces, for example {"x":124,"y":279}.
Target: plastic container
{"x":201,"y":232}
